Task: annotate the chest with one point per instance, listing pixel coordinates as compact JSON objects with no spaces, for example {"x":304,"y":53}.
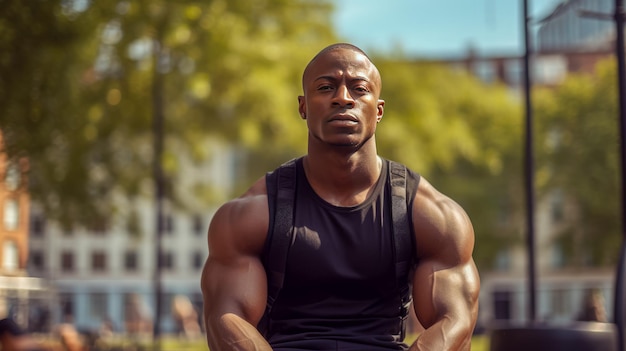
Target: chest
{"x":341,"y":248}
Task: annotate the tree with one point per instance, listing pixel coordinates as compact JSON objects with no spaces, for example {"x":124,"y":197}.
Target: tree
{"x":78,"y":82}
{"x":40,"y":91}
{"x":578,"y":150}
{"x":465,"y":137}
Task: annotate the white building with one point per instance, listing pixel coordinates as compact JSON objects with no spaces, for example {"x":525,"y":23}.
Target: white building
{"x":97,"y":275}
{"x":560,"y":291}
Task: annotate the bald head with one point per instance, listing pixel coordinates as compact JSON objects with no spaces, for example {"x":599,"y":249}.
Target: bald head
{"x":343,"y":46}
{"x":337,"y":46}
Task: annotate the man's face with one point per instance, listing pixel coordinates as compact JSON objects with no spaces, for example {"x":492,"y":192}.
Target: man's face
{"x":340,"y":102}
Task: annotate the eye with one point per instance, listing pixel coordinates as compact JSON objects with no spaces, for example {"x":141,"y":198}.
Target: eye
{"x":325,"y":87}
{"x":361,"y":88}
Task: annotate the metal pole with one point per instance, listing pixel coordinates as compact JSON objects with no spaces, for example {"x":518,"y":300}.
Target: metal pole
{"x":529,"y":173}
{"x":157,"y":110}
{"x":619,"y":312}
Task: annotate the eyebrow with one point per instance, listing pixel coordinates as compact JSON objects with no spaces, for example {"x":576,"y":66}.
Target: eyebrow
{"x":333,"y":78}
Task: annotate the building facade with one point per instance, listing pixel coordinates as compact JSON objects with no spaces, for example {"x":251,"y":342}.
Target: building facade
{"x":575,"y":25}
{"x":15,"y":202}
{"x":17,"y":289}
{"x":107,"y":275}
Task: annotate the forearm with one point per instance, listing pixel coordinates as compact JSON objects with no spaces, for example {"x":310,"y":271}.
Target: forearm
{"x":446,"y":303}
{"x":232,"y":333}
{"x":444,"y":336}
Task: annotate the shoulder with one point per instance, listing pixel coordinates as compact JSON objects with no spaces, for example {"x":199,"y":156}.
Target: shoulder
{"x":442,"y":228}
{"x":239,"y":227}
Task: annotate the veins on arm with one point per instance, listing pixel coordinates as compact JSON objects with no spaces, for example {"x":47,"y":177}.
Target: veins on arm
{"x":445,"y":282}
{"x":234,"y":283}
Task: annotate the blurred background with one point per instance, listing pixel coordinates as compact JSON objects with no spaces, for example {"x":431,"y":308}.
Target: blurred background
{"x":125,"y":124}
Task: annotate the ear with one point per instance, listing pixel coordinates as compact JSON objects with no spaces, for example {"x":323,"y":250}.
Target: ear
{"x":381,"y":110}
{"x":302,"y":107}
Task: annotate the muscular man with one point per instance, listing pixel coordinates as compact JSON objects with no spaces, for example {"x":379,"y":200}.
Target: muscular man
{"x":340,"y":292}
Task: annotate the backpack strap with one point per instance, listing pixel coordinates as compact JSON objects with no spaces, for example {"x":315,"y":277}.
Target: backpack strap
{"x":403,"y":241}
{"x":281,"y":194}
{"x":403,"y":189}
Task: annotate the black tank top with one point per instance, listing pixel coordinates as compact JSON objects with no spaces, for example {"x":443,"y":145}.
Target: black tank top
{"x":340,"y":290}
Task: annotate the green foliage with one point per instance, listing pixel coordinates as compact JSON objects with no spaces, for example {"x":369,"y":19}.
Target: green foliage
{"x":465,"y":137}
{"x":80,"y":86}
{"x":578,"y":149}
{"x":440,"y":116}
{"x":40,"y":91}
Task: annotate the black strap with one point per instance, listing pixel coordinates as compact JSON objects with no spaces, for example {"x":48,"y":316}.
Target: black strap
{"x":402,"y":238}
{"x":401,"y":224}
{"x":281,"y":190}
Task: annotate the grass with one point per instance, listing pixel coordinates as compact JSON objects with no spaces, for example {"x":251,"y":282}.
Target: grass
{"x":479,"y":343}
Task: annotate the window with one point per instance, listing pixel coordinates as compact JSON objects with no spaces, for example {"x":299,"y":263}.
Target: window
{"x":167,"y":260}
{"x":11,"y":214}
{"x":557,"y":205}
{"x":66,"y":300}
{"x":67,"y":261}
{"x":10,"y":256}
{"x":502,"y":305}
{"x":36,"y":260}
{"x":198,"y":225}
{"x":12,"y":176}
{"x":130,"y":261}
{"x":38,"y":225}
{"x":197,"y":260}
{"x":98,"y":305}
{"x":559,"y":299}
{"x":166,"y":304}
{"x":98,"y":261}
{"x":168,"y":224}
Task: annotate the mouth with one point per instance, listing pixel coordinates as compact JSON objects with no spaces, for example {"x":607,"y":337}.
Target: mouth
{"x":344,"y":119}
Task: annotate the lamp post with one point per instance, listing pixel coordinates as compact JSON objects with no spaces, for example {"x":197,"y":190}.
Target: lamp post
{"x":157,"y":130}
{"x":620,"y":279}
{"x":619,"y":305}
{"x":529,"y":172}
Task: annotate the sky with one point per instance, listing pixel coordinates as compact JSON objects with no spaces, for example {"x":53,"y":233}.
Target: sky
{"x":437,"y":27}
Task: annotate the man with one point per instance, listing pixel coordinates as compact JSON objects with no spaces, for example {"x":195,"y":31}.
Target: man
{"x":340,"y":292}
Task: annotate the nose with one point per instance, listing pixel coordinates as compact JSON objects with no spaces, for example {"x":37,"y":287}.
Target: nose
{"x":343,"y":97}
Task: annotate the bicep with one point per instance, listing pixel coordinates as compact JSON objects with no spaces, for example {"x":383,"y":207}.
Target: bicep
{"x":237,"y":286}
{"x":233,"y":279}
{"x":446,"y":281}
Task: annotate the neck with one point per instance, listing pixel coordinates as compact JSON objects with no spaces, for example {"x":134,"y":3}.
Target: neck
{"x":340,"y":177}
